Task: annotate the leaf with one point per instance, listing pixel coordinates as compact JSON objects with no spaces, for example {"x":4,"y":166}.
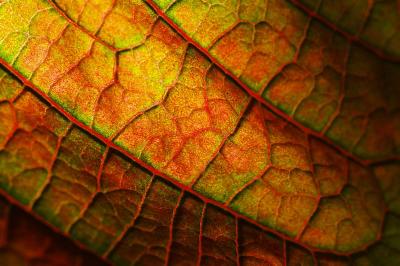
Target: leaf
{"x":144,"y":136}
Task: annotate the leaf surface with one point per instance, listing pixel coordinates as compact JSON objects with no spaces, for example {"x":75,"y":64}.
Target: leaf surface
{"x":137,"y":138}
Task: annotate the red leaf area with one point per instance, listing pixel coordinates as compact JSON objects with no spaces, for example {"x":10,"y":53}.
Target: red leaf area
{"x":269,"y":136}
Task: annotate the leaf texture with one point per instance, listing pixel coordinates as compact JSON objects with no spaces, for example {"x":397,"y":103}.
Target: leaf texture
{"x":254,"y":133}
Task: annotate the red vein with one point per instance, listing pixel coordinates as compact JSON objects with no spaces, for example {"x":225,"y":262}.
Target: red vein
{"x":336,"y":113}
{"x":254,"y":94}
{"x":10,"y":102}
{"x":14,"y":128}
{"x":247,"y":184}
{"x":103,"y":20}
{"x":49,"y":169}
{"x":318,"y":188}
{"x":93,"y":196}
{"x":117,"y":133}
{"x":284,"y":253}
{"x":129,"y":225}
{"x":98,"y":177}
{"x":237,"y":241}
{"x":76,"y":25}
{"x":200,"y":246}
{"x":218,"y":150}
{"x":171,"y":228}
{"x":314,"y":257}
